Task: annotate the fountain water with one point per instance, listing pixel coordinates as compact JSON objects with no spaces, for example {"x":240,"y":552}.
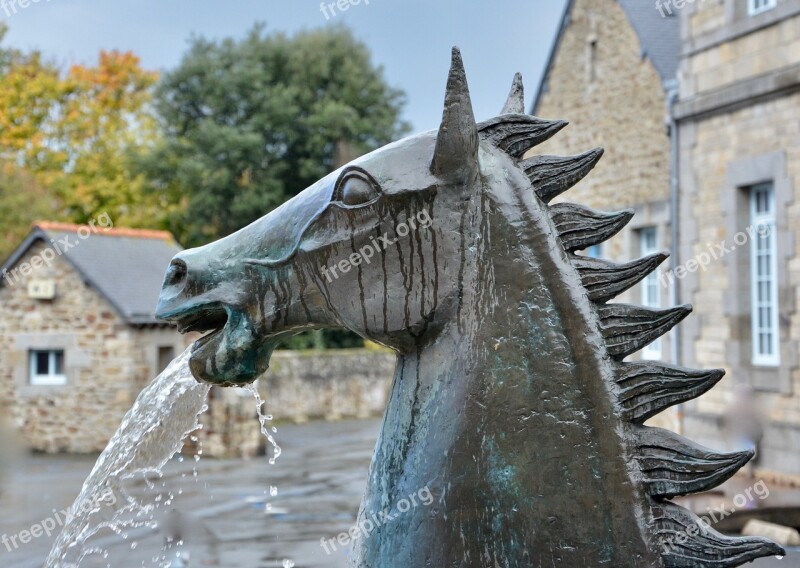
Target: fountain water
{"x":153,"y":430}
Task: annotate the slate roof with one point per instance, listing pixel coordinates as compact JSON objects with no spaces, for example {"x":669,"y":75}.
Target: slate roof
{"x":660,"y":38}
{"x":126,"y":266}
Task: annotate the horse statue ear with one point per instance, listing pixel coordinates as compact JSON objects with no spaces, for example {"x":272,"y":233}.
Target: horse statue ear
{"x":516,"y":98}
{"x":456,"y":154}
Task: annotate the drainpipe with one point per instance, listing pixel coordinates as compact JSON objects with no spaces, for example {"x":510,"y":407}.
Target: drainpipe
{"x":674,"y":204}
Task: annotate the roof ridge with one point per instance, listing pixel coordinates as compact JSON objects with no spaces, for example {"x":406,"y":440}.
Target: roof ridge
{"x":107,"y":231}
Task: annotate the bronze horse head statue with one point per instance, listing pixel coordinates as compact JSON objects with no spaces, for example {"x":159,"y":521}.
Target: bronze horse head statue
{"x":511,"y":402}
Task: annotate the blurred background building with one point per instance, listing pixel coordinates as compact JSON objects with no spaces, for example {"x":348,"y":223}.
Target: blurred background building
{"x":79,"y":340}
{"x":697,"y":103}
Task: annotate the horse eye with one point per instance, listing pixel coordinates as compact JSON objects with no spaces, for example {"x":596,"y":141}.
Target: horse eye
{"x":357,"y":191}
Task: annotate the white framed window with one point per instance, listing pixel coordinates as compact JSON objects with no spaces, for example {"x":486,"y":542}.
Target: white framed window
{"x":651,"y":294}
{"x":47,"y":367}
{"x":757,"y":6}
{"x":764,"y":276}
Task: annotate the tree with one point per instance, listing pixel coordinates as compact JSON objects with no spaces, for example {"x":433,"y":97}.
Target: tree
{"x":22,"y":201}
{"x":250,"y":123}
{"x":77,"y":133}
{"x":105,"y":121}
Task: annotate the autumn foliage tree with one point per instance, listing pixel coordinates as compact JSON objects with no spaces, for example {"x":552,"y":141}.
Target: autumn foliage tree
{"x":75,"y":134}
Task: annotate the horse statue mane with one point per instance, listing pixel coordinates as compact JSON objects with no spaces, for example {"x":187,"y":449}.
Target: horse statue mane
{"x":511,"y":404}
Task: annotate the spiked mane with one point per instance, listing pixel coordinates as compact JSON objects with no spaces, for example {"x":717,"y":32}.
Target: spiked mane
{"x":667,"y":464}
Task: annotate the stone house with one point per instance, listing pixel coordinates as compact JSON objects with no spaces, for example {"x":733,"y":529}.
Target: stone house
{"x":738,"y":134}
{"x":78,"y":338}
{"x":611,"y":73}
{"x":697,"y":105}
{"x":79,"y":341}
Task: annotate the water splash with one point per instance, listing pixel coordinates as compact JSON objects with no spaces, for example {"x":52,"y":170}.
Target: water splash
{"x":263,"y":419}
{"x":153,"y":430}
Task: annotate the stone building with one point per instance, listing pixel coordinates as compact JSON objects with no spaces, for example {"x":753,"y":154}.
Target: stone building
{"x":739,"y":160}
{"x":79,"y":341}
{"x":611,"y":73}
{"x":78,"y":338}
{"x":697,"y":104}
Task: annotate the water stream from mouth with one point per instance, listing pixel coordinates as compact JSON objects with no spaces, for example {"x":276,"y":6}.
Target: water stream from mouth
{"x":263,"y":419}
{"x":152,"y":431}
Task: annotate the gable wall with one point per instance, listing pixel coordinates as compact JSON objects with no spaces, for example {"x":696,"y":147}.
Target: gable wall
{"x":106,"y":360}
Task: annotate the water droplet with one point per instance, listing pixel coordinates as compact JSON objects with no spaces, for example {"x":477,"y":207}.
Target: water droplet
{"x":273,"y":490}
{"x":288,"y":563}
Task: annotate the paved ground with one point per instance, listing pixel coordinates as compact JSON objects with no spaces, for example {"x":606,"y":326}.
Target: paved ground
{"x":320,"y":478}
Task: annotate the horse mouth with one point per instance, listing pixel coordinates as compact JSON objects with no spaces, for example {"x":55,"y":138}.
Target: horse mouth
{"x":232,"y":352}
{"x":210,"y":319}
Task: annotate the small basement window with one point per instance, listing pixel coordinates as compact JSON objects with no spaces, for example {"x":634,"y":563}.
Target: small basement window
{"x":47,"y":367}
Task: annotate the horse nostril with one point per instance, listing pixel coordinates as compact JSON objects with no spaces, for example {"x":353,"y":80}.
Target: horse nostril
{"x":176,"y":273}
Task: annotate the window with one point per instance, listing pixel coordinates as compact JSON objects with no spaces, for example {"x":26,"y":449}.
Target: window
{"x":651,"y":294}
{"x":47,"y":368}
{"x":165,"y":356}
{"x":763,"y":276}
{"x":757,"y":6}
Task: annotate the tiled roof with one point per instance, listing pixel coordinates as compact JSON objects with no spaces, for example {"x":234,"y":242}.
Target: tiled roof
{"x":108,"y":232}
{"x":660,"y":36}
{"x":126,"y":266}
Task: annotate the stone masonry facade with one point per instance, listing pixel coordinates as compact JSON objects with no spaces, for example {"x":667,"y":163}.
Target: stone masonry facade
{"x":739,"y":126}
{"x":299,"y":386}
{"x":108,"y":361}
{"x":105,"y":361}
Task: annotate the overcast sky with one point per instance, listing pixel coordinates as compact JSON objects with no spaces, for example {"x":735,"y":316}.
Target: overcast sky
{"x":411,"y":39}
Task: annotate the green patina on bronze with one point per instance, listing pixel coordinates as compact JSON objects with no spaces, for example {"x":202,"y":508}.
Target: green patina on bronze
{"x":511,"y":401}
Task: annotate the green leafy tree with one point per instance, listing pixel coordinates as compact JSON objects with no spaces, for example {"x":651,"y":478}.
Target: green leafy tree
{"x":22,"y":201}
{"x":249,"y":123}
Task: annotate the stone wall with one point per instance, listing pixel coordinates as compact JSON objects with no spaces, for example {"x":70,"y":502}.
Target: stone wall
{"x":299,"y":386}
{"x":333,"y":384}
{"x":725,"y":45}
{"x":612,"y":99}
{"x":740,"y":94}
{"x":105,"y":363}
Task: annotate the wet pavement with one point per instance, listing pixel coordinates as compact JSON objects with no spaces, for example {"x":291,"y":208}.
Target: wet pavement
{"x":228,"y":515}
